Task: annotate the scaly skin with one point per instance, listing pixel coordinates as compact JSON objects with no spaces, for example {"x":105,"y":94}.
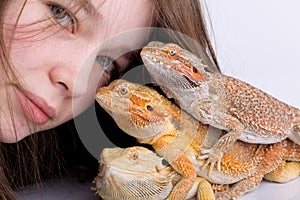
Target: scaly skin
{"x":136,"y":173}
{"x":242,"y":110}
{"x":177,"y":137}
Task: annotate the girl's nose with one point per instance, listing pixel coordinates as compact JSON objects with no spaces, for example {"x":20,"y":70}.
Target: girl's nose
{"x":71,"y":75}
{"x":62,"y":79}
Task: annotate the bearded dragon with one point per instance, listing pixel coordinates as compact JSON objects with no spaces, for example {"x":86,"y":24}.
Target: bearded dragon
{"x":245,"y":112}
{"x":177,"y":137}
{"x":137,"y":173}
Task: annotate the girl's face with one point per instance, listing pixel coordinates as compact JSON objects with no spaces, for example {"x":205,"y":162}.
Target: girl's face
{"x":57,"y":54}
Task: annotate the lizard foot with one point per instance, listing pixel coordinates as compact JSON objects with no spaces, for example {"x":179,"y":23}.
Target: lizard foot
{"x":212,"y":158}
{"x":215,"y":154}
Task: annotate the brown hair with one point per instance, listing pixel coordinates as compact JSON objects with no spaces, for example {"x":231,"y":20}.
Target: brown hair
{"x":187,"y":17}
{"x":5,"y":190}
{"x":35,"y":157}
{"x":23,"y":162}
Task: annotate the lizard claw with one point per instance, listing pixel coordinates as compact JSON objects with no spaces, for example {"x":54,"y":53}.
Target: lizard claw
{"x":203,"y":157}
{"x":204,"y":154}
{"x":213,"y":158}
{"x":205,"y":151}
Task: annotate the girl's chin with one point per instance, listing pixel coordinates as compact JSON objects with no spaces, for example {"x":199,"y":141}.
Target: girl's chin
{"x":11,"y":135}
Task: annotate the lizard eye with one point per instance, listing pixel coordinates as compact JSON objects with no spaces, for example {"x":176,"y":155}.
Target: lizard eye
{"x":134,"y":156}
{"x":172,"y":52}
{"x":123,"y":90}
{"x":149,"y":108}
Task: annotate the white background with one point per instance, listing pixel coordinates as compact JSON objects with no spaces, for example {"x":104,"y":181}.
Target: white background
{"x":258,"y":41}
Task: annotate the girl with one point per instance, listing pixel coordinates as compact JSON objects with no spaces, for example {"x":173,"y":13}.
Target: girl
{"x":44,"y":47}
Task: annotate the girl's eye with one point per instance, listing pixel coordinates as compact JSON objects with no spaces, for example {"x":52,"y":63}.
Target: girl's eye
{"x":63,"y":17}
{"x":107,"y":64}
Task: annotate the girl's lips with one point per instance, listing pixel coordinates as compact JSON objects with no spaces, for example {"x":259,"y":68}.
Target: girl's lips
{"x":34,"y":107}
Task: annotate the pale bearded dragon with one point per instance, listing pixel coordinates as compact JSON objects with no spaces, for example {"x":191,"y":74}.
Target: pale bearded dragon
{"x":177,"y":137}
{"x":136,"y":173}
{"x":242,"y":110}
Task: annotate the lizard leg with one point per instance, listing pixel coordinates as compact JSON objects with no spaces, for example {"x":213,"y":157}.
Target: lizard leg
{"x":284,"y":173}
{"x":205,"y":191}
{"x":240,"y":188}
{"x":186,"y":168}
{"x":271,"y":159}
{"x":215,"y":154}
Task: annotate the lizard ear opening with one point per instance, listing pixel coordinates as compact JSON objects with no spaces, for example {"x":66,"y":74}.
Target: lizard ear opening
{"x":165,"y":162}
{"x":194,"y":69}
{"x":149,"y":108}
{"x":196,"y":74}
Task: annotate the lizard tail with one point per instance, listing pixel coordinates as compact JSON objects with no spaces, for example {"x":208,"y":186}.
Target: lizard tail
{"x":288,"y":169}
{"x":285,"y":172}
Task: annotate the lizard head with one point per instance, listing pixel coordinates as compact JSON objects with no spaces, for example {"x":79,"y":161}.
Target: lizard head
{"x":172,"y":66}
{"x":137,"y":171}
{"x":133,"y":159}
{"x":138,"y":110}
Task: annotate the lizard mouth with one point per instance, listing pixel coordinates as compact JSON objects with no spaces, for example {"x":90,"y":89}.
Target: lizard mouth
{"x":102,"y":169}
{"x":104,"y":102}
{"x":100,"y":181}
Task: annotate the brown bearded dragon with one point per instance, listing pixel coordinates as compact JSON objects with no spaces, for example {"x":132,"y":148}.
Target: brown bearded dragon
{"x":177,"y":137}
{"x":245,"y":112}
{"x":136,"y":173}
